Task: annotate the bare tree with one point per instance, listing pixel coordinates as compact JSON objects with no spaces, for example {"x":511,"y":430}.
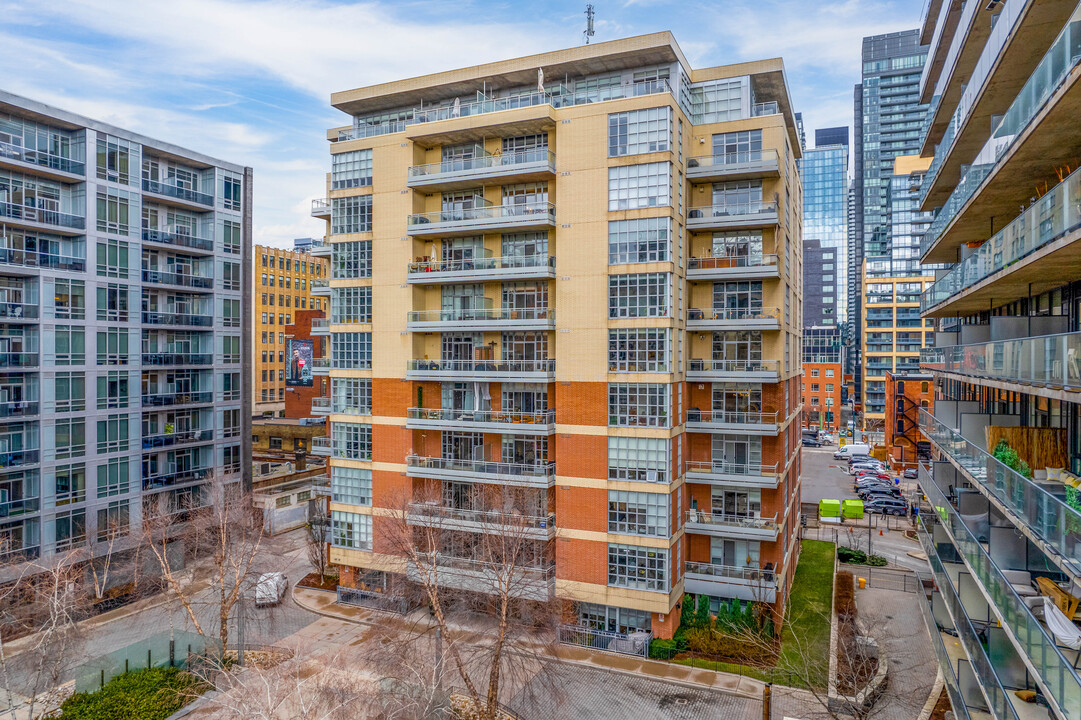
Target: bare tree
{"x":318,"y":538}
{"x":223,"y":538}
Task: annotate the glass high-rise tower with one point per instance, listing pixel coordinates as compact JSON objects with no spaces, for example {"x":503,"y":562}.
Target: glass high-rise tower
{"x":824,"y":171}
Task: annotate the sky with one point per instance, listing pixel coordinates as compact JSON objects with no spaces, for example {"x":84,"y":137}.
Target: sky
{"x":249,"y":81}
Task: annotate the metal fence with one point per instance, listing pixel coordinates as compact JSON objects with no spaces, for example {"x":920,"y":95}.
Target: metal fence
{"x":372,"y":600}
{"x":886,"y":578}
{"x":624,"y":643}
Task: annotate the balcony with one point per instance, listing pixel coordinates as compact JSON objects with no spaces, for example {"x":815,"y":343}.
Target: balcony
{"x":734,"y":267}
{"x":481,"y":319}
{"x":768,"y":371}
{"x":184,"y":280}
{"x":320,"y":326}
{"x":739,"y":474}
{"x":19,"y":409}
{"x":19,"y":458}
{"x":321,"y":208}
{"x":1042,"y":512}
{"x":752,"y":422}
{"x":39,"y":218}
{"x":495,"y":522}
{"x":743,"y":527}
{"x":173,"y":359}
{"x":490,"y":421}
{"x":532,"y":475}
{"x":178,"y":398}
{"x":178,"y":237}
{"x":527,"y":583}
{"x":744,"y":583}
{"x":946,"y":659}
{"x":320,"y":248}
{"x":488,"y":219}
{"x":18,"y":311}
{"x":18,"y":360}
{"x":481,"y":269}
{"x":321,"y":446}
{"x":320,"y":406}
{"x":733,"y":216}
{"x":175,"y":319}
{"x":180,"y":437}
{"x":482,"y":370}
{"x":537,"y":165}
{"x":174,"y":194}
{"x":1047,"y":361}
{"x":177,"y":478}
{"x":32,"y":258}
{"x":18,"y":506}
{"x":1031,"y":638}
{"x":745,"y":165}
{"x":320,"y":287}
{"x":743,"y":318}
{"x":321,"y":366}
{"x":41,"y":162}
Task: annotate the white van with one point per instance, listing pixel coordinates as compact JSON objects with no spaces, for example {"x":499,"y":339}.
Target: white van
{"x":843,"y":453}
{"x":271,"y":589}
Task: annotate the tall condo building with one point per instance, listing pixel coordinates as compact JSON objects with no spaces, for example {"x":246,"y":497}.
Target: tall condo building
{"x":576,"y":276}
{"x":1001,"y":522}
{"x":888,"y":118}
{"x":824,"y":172}
{"x":124,"y":364}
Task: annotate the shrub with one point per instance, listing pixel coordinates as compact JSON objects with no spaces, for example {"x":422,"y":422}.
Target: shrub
{"x":719,"y":645}
{"x":662,"y":649}
{"x":851,"y":555}
{"x":876,"y":561}
{"x":142,"y":695}
{"x":844,"y":595}
{"x":1009,"y":457}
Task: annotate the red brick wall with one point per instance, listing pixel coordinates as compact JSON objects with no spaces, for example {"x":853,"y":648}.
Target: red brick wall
{"x":298,"y":400}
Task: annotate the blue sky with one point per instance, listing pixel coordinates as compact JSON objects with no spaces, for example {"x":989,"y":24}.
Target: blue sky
{"x":249,"y":81}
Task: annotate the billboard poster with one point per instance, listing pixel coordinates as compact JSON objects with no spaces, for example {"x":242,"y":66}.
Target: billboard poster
{"x":298,"y":361}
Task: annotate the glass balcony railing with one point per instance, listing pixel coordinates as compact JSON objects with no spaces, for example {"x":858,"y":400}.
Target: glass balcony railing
{"x":1049,"y":218}
{"x":41,"y":158}
{"x":493,"y":213}
{"x":32,"y":258}
{"x":18,"y":408}
{"x":543,"y":417}
{"x":731,"y":262}
{"x":733,"y":210}
{"x":18,"y":359}
{"x":482,"y":263}
{"x":176,"y":237}
{"x":177,"y":437}
{"x":1045,"y":514}
{"x":180,"y":193}
{"x":731,"y":417}
{"x":945,"y":662}
{"x":485,"y":162}
{"x":481,"y":315}
{"x":542,"y":470}
{"x":766,"y":108}
{"x":18,"y":311}
{"x":19,"y":506}
{"x":732,"y":572}
{"x":177,"y":477}
{"x":750,"y":522}
{"x":173,"y":318}
{"x":733,"y":366}
{"x":320,"y":206}
{"x":725,"y":467}
{"x":1037,"y":643}
{"x":481,"y":366}
{"x":28,"y":213}
{"x":18,"y":458}
{"x":177,"y":358}
{"x":178,"y":398}
{"x":748,"y":314}
{"x":722,"y":161}
{"x":433,"y":514}
{"x":181,"y":279}
{"x":1046,"y":360}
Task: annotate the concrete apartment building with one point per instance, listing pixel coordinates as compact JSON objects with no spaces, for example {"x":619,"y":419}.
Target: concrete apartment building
{"x":286,"y":282}
{"x":586,"y":284}
{"x":124,"y":365}
{"x":1004,"y":546}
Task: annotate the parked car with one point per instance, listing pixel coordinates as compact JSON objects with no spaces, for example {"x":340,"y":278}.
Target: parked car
{"x":270,"y":589}
{"x":849,"y":450}
{"x":886,"y":506}
{"x":811,"y":442}
{"x":873,"y":474}
{"x":863,"y":467}
{"x":911,"y":474}
{"x":871,"y":493}
{"x":861,"y":459}
{"x":826,"y":439}
{"x":869,"y":480}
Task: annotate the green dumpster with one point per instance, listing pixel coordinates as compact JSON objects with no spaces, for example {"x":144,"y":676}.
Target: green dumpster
{"x":829,"y":508}
{"x":852,"y":509}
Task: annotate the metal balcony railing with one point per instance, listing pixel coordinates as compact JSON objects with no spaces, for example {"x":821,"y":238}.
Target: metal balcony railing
{"x":177,"y":358}
{"x":732,"y":572}
{"x":485,"y":162}
{"x":695,"y":365}
{"x":481,"y":314}
{"x":725,"y":467}
{"x":28,"y":213}
{"x":182,"y":239}
{"x":734,"y":314}
{"x":731,"y":417}
{"x":491,"y":212}
{"x":735,"y":209}
{"x":177,"y":477}
{"x":41,"y":158}
{"x":178,"y":398}
{"x":173,"y":318}
{"x":482,"y":366}
{"x":181,"y":437}
{"x":32,"y":258}
{"x":728,"y":262}
{"x":543,"y":417}
{"x":486,"y":467}
{"x":180,"y":193}
{"x":482,"y":263}
{"x":181,"y":279}
{"x":750,"y":522}
{"x":636,"y":643}
{"x":434,"y":513}
{"x":734,"y":159}
{"x":321,"y":404}
{"x":320,"y":206}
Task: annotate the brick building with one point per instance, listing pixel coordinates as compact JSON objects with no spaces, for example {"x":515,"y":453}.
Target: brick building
{"x":906,"y":393}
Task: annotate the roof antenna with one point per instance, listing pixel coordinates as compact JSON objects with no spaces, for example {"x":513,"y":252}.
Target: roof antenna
{"x":588,"y":32}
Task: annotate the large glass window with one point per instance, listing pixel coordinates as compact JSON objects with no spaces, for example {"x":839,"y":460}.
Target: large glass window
{"x":351,"y":441}
{"x":70,"y":438}
{"x":737,"y":147}
{"x":351,"y":169}
{"x":638,"y":513}
{"x":638,"y":405}
{"x":351,"y":215}
{"x":638,"y":350}
{"x":640,"y":131}
{"x":114,"y":477}
{"x":639,"y":186}
{"x":638,"y":459}
{"x":639,"y":241}
{"x":350,"y":530}
{"x":352,"y":396}
{"x":636,"y":567}
{"x":70,"y":392}
{"x":70,"y":345}
{"x":113,"y":521}
{"x":639,"y":296}
{"x":113,"y":434}
{"x":351,"y":486}
{"x":351,"y":260}
{"x":351,"y":305}
{"x":351,"y":351}
{"x":113,"y":259}
{"x":116,"y":159}
{"x":114,"y":211}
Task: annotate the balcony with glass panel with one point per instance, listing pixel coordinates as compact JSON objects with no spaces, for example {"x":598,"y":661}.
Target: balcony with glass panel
{"x":768,"y":371}
{"x":736,"y":526}
{"x":178,"y":319}
{"x":541,"y":422}
{"x":20,"y":495}
{"x":19,"y":445}
{"x":321,"y":208}
{"x":177,"y":438}
{"x":321,"y":406}
{"x":732,"y":473}
{"x":742,"y":421}
{"x":481,"y":269}
{"x":733,"y":267}
{"x":525,"y":582}
{"x":61,"y":159}
{"x":186,"y":280}
{"x":483,"y":219}
{"x":321,"y":446}
{"x":532,"y":165}
{"x":175,"y":193}
{"x":12,"y":259}
{"x":482,"y":370}
{"x":40,"y":214}
{"x":491,"y":472}
{"x":178,"y":399}
{"x":480,"y":319}
{"x":176,"y":237}
{"x":733,"y":216}
{"x":320,"y":286}
{"x":1048,"y":361}
{"x":176,"y":477}
{"x":744,"y":165}
{"x":730,"y":581}
{"x":176,"y":359}
{"x":492,"y":522}
{"x":321,"y":326}
{"x":735,"y":318}
{"x":943,"y":643}
{"x":320,"y":248}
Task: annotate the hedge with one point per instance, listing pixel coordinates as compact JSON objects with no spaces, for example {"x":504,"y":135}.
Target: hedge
{"x":152,"y":694}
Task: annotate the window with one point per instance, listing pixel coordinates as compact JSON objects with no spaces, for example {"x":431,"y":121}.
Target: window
{"x":69,"y":300}
{"x":70,"y":484}
{"x":614,"y":619}
{"x":113,"y":521}
{"x":230,"y":194}
{"x":114,"y":211}
{"x":351,"y":351}
{"x":351,"y":169}
{"x":70,"y":345}
{"x":829,"y":373}
{"x":639,"y":296}
{"x":814,"y":372}
{"x":350,"y":530}
{"x":351,"y":215}
{"x":638,"y":350}
{"x":639,"y":241}
{"x":639,"y":186}
{"x":116,"y":158}
{"x":638,"y":459}
{"x":230,"y":350}
{"x":113,"y":259}
{"x":640,"y":131}
{"x":70,"y":436}
{"x":635,"y":567}
{"x":351,"y":441}
{"x":113,"y":303}
{"x":230,"y":423}
{"x":113,"y":390}
{"x":275,"y":443}
{"x":231,"y":386}
{"x":351,"y":259}
{"x":351,"y":305}
{"x":638,"y":513}
{"x":70,"y":392}
{"x":352,"y":486}
{"x":113,"y":477}
{"x":230,"y":237}
{"x":231,"y":459}
{"x":637,"y":405}
{"x":70,"y":529}
{"x":113,"y":434}
{"x":230,"y":279}
{"x":738,"y":147}
{"x":351,"y":396}
{"x":230,"y":313}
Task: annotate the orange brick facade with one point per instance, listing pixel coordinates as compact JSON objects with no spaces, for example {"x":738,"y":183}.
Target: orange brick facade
{"x":905,"y":395}
{"x":822,"y":385}
{"x":298,"y":400}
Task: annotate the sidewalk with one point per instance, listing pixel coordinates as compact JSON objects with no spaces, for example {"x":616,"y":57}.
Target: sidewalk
{"x":323,"y":603}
